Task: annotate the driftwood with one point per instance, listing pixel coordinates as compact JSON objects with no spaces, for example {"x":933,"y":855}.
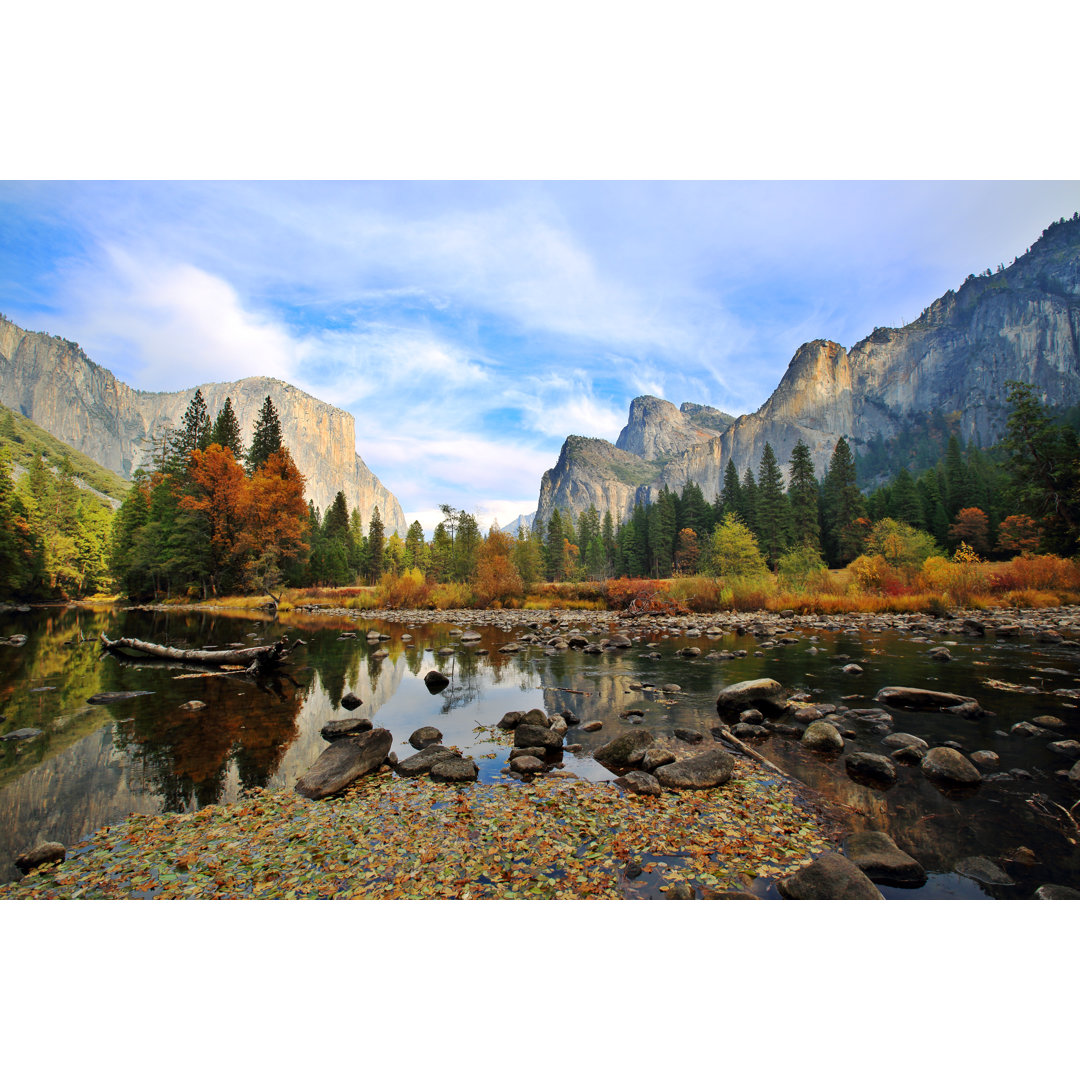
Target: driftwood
{"x":749,"y":751}
{"x":252,"y":661}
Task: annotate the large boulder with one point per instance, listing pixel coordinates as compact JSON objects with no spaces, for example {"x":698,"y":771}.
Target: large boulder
{"x":829,"y":877}
{"x":48,"y":852}
{"x":821,"y":735}
{"x":535,"y":735}
{"x":616,"y":754}
{"x":878,"y":857}
{"x":912,"y":697}
{"x":425,"y":736}
{"x":343,"y":761}
{"x":338,"y":729}
{"x":418,"y":764}
{"x":458,"y":770}
{"x":351,"y":701}
{"x":766,"y":695}
{"x":949,"y":766}
{"x":707,"y":770}
{"x":436,"y":681}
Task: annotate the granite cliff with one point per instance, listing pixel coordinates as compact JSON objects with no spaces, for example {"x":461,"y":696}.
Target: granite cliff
{"x":54,"y":383}
{"x":1022,"y":322}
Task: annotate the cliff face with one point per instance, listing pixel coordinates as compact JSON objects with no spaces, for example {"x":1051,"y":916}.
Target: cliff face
{"x":55,"y":384}
{"x":1021,"y":323}
{"x":656,"y":429}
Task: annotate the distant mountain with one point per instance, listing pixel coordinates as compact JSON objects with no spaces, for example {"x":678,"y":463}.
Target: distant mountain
{"x":522,"y":520}
{"x":1022,"y":323}
{"x":54,"y":383}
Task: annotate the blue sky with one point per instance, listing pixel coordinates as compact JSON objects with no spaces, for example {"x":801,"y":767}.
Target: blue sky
{"x":469,"y":327}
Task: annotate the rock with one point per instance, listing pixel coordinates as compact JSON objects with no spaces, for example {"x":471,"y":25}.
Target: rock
{"x":535,"y":735}
{"x":767,"y":695}
{"x":982,"y":869}
{"x":852,"y":669}
{"x":902,"y":738}
{"x":21,"y":734}
{"x":510,"y":720}
{"x":985,"y":759}
{"x":455,"y":769}
{"x":640,"y":783}
{"x":1051,"y":722}
{"x":343,"y":761}
{"x":949,"y":766}
{"x":338,"y":729}
{"x":615,"y":754}
{"x":750,"y":731}
{"x":829,"y":877}
{"x":558,"y":725}
{"x":1056,"y":892}
{"x":707,"y":770}
{"x":654,"y":757}
{"x":679,"y":890}
{"x":911,"y":697}
{"x":807,"y":715}
{"x":470,"y":636}
{"x":688,"y":736}
{"x":909,"y":755}
{"x":1026,"y":729}
{"x":753,"y":716}
{"x":351,"y":701}
{"x":527,"y":765}
{"x":821,"y":735}
{"x":592,"y":725}
{"x":671,"y":688}
{"x":418,"y":764}
{"x":192,"y":706}
{"x":872,"y":768}
{"x":48,"y":852}
{"x":726,"y":894}
{"x":536,"y":717}
{"x":878,"y":857}
{"x":1074,"y":773}
{"x":425,"y":736}
{"x":1070,"y":748}
{"x":940,"y":653}
{"x":619,"y":641}
{"x":689,"y":652}
{"x":110,"y":696}
{"x":436,"y":681}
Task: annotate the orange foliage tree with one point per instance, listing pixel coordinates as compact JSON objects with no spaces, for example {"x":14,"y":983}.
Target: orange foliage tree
{"x":971,"y":527}
{"x":1018,"y":532}
{"x":496,"y":579}
{"x":687,"y":552}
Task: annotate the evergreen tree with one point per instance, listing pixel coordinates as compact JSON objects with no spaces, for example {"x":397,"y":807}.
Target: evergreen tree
{"x":803,"y":496}
{"x":904,"y":502}
{"x":226,"y":431}
{"x":748,"y":512}
{"x":415,"y":548}
{"x":731,"y":494}
{"x":193,"y":433}
{"x":267,"y":436}
{"x":376,"y":546}
{"x":842,"y":507}
{"x":958,"y":486}
{"x":553,"y":548}
{"x":773,"y":512}
{"x":607,"y":536}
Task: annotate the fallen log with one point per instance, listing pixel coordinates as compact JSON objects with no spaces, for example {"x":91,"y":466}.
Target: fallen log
{"x":254,"y":660}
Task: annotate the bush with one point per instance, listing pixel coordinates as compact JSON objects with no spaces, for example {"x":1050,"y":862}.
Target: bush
{"x":1036,"y":572}
{"x":409,"y":590}
{"x":733,"y":551}
{"x":801,"y":568}
{"x":900,"y":545}
{"x":450,"y":595}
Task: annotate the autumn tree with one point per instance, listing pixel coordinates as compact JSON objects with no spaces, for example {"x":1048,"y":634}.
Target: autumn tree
{"x":971,"y":527}
{"x":687,"y":552}
{"x":734,"y":552}
{"x":1018,"y":534}
{"x":220,"y":498}
{"x":496,"y":579}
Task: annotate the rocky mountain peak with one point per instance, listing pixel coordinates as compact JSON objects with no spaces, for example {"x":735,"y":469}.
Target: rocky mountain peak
{"x":657,"y":429}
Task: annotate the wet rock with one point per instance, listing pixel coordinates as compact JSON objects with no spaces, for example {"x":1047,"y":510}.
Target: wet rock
{"x":966,"y":708}
{"x":671,"y":688}
{"x":535,"y":735}
{"x":975,"y":627}
{"x":619,"y":641}
{"x":985,"y":759}
{"x":678,"y":890}
{"x":48,"y":852}
{"x":654,"y":757}
{"x":829,"y":877}
{"x":878,"y":857}
{"x":688,"y":735}
{"x":558,"y":725}
{"x":727,"y":894}
{"x":351,"y":701}
{"x":750,"y":731}
{"x":510,"y":720}
{"x":418,"y":764}
{"x":902,"y":738}
{"x":455,"y":769}
{"x":526,"y":751}
{"x":948,"y":766}
{"x":616,"y":754}
{"x":640,"y":783}
{"x":1056,"y":892}
{"x":1050,"y":722}
{"x":690,"y":652}
{"x":592,"y":725}
{"x":425,"y":736}
{"x":767,"y":695}
{"x":527,"y":765}
{"x":1074,"y":773}
{"x":940,"y":653}
{"x":852,"y":669}
{"x":23,"y":734}
{"x":1069,"y":748}
{"x":807,"y":715}
{"x":707,"y":770}
{"x":470,"y":636}
{"x":192,"y":706}
{"x":912,"y":697}
{"x":536,"y":717}
{"x":436,"y":681}
{"x":110,"y":696}
{"x":1026,"y":729}
{"x":752,"y":716}
{"x":873,"y":769}
{"x":338,"y":729}
{"x":909,"y":755}
{"x":343,"y":761}
{"x":822,"y":736}
{"x":980,"y":868}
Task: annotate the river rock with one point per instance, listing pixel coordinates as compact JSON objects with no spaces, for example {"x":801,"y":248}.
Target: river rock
{"x":592,"y":725}
{"x":902,"y":738}
{"x":455,"y":769}
{"x":908,"y":755}
{"x":878,"y":857}
{"x":911,"y":697}
{"x":1027,"y":730}
{"x":940,"y":653}
{"x":654,"y":757}
{"x":343,"y":761}
{"x":526,"y":751}
{"x":1070,"y":748}
{"x":425,"y":736}
{"x":821,"y":735}
{"x":875,"y":768}
{"x":1074,"y":773}
{"x":558,"y":725}
{"x":767,"y":695}
{"x":351,"y":701}
{"x":688,"y":735}
{"x":338,"y":729}
{"x":192,"y":706}
{"x":110,"y":696}
{"x":48,"y":852}
{"x":510,"y":720}
{"x":527,"y":765}
{"x":619,"y":641}
{"x":640,"y":783}
{"x":750,"y":731}
{"x":1056,"y":892}
{"x":418,"y":764}
{"x":436,"y":681}
{"x":707,"y":770}
{"x":537,"y":717}
{"x":949,"y":766}
{"x":21,"y":734}
{"x":985,"y":759}
{"x":1051,"y":722}
{"x":535,"y":735}
{"x":980,"y":868}
{"x":829,"y":877}
{"x":851,"y":669}
{"x":616,"y":754}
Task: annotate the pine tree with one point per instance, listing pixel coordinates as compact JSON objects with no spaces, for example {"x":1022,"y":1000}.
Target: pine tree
{"x":226,"y":431}
{"x":904,"y":502}
{"x":415,"y":548}
{"x":194,"y":431}
{"x":842,"y":507}
{"x":553,"y":546}
{"x":376,"y":546}
{"x":803,"y":495}
{"x":267,"y":436}
{"x":730,"y":496}
{"x":748,"y":511}
{"x":773,"y":513}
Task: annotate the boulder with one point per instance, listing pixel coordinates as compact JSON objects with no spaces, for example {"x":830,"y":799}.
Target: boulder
{"x":688,"y":735}
{"x":1074,"y":773}
{"x":985,"y":759}
{"x":48,"y":852}
{"x":1056,"y":892}
{"x":527,"y":765}
{"x":872,"y":769}
{"x":343,"y":761}
{"x":980,"y":868}
{"x":338,"y":729}
{"x":766,"y":695}
{"x":425,"y":736}
{"x":948,"y":766}
{"x":1027,"y":730}
{"x":640,"y":783}
{"x":707,"y":770}
{"x":1070,"y":748}
{"x":616,"y":754}
{"x":19,"y":734}
{"x":1051,"y":722}
{"x":902,"y":738}
{"x":537,"y":717}
{"x":592,"y":725}
{"x":510,"y":720}
{"x":829,"y":877}
{"x":535,"y":735}
{"x":436,"y":681}
{"x":351,"y":701}
{"x":908,"y":755}
{"x":418,"y":764}
{"x":911,"y":697}
{"x":878,"y":857}
{"x":458,"y":770}
{"x":940,"y":653}
{"x":558,"y":725}
{"x":821,"y":735}
{"x":619,"y":641}
{"x":654,"y":757}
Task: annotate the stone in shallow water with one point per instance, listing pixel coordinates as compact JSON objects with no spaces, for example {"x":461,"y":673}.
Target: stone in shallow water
{"x":640,"y":783}
{"x":871,"y":769}
{"x":1056,"y":892}
{"x":455,"y":769}
{"x":878,"y":857}
{"x":829,"y":877}
{"x":343,"y":761}
{"x":48,"y":852}
{"x":535,"y":735}
{"x":351,"y":701}
{"x":982,"y":869}
{"x":911,"y":697}
{"x":654,"y":757}
{"x":616,"y":754}
{"x":949,"y":766}
{"x":418,"y":764}
{"x":436,"y":681}
{"x":707,"y":770}
{"x":527,"y":764}
{"x":767,"y":695}
{"x":425,"y":736}
{"x":821,"y":735}
{"x":338,"y":729}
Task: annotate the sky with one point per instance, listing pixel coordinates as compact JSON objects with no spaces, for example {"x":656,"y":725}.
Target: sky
{"x":470,"y":327}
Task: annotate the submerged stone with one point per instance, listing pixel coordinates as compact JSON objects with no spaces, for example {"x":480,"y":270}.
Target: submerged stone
{"x":343,"y":762}
{"x":878,"y":857}
{"x":829,"y":877}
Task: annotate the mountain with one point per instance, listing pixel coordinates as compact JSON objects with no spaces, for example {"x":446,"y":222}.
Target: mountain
{"x":54,"y":383}
{"x":1022,"y":323}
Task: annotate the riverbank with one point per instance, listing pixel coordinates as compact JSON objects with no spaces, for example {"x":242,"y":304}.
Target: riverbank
{"x":386,"y":837}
